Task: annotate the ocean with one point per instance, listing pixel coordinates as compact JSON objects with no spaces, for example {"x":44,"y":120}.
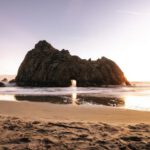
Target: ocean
{"x":135,"y":97}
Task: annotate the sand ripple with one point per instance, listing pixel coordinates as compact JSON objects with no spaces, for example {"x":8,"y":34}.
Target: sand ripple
{"x":19,"y":134}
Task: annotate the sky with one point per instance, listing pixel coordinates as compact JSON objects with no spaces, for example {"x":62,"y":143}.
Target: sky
{"x":117,"y":29}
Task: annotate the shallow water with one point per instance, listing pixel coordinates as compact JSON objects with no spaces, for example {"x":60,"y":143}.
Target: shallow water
{"x":136,"y":97}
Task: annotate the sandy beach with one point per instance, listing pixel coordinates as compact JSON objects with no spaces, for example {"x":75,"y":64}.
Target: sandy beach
{"x":74,"y":75}
{"x":55,"y":112}
{"x":28,"y":125}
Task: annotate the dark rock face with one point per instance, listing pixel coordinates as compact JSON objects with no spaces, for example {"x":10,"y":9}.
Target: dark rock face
{"x":2,"y":84}
{"x":46,"y":66}
{"x":12,"y":81}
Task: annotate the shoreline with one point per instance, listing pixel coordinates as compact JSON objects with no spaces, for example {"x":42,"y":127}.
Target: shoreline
{"x":55,"y":112}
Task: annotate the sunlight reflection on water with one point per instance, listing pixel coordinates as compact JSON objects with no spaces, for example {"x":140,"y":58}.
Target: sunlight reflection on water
{"x":7,"y":98}
{"x":74,"y":96}
{"x":137,"y":102}
{"x":136,"y":98}
{"x":130,"y":101}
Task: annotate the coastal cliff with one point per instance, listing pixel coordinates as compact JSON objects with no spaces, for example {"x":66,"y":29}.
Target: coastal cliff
{"x":46,"y":66}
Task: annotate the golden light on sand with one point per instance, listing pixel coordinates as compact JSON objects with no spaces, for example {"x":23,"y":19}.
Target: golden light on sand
{"x":137,"y":102}
{"x":7,"y":98}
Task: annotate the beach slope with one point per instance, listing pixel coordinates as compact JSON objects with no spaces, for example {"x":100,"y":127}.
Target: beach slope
{"x":46,"y":126}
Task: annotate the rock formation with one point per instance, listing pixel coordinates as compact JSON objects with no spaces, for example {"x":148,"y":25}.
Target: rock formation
{"x":2,"y":84}
{"x":46,"y":66}
{"x":4,"y":80}
{"x":12,"y":81}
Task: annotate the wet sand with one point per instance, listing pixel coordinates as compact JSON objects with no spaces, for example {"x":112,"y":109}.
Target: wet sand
{"x":26,"y":125}
{"x":55,"y":112}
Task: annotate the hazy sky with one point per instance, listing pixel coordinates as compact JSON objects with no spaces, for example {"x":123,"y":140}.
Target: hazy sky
{"x":117,"y":29}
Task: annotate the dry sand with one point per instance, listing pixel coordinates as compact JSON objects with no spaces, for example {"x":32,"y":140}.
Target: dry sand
{"x":42,"y":126}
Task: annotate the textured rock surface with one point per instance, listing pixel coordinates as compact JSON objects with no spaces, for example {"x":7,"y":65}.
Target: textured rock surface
{"x":46,"y":66}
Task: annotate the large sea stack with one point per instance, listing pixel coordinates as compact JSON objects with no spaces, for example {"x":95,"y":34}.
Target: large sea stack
{"x":46,"y":66}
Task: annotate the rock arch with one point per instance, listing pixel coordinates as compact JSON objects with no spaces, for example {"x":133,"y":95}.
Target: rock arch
{"x":46,"y":66}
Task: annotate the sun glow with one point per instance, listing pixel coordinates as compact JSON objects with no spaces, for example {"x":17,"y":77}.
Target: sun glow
{"x":137,"y":102}
{"x":7,"y":98}
{"x":134,"y":64}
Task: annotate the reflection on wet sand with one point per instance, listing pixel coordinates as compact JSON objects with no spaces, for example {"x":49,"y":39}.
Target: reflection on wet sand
{"x":128,"y":102}
{"x":7,"y":98}
{"x":137,"y":102}
{"x":52,"y":99}
{"x":74,"y":95}
{"x":74,"y":100}
{"x":107,"y":101}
